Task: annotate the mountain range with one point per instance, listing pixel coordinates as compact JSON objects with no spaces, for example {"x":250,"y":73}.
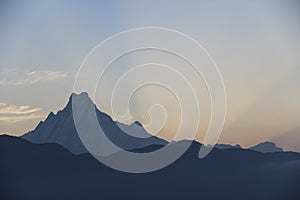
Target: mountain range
{"x":50,"y":162}
{"x":60,"y":129}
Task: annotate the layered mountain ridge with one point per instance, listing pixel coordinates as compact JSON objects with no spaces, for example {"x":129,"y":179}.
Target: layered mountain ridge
{"x":60,"y":129}
{"x":49,"y":171}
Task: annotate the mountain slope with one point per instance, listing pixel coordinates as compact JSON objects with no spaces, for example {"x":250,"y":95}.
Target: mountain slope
{"x":48,"y":171}
{"x":60,"y":129}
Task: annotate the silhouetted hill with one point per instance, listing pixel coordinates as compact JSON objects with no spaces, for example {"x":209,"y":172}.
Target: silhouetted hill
{"x":60,"y":129}
{"x":266,"y":147}
{"x":49,"y":171}
{"x":227,"y":146}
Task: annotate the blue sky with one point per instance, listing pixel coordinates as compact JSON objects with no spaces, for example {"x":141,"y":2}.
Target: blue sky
{"x":256,"y":45}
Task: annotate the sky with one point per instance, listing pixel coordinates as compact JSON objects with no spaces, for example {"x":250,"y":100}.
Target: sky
{"x":255,"y":44}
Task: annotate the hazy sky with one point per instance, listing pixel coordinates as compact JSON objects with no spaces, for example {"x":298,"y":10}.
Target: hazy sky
{"x":256,"y":45}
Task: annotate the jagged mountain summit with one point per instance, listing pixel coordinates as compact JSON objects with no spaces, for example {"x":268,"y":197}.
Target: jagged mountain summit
{"x":60,"y":129}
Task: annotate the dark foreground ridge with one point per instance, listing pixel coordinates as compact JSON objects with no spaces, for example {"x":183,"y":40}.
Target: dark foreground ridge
{"x":48,"y":171}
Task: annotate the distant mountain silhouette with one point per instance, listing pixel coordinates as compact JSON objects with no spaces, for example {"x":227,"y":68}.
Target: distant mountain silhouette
{"x":227,"y":146}
{"x":60,"y":129}
{"x":290,"y":140}
{"x":266,"y":147}
{"x":48,"y":171}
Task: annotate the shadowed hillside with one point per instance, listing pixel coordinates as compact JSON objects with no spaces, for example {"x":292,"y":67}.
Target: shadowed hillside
{"x":49,"y":171}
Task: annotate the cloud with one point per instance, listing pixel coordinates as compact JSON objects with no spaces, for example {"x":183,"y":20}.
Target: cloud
{"x":15,"y":119}
{"x":7,"y":70}
{"x":13,"y":113}
{"x":19,"y":110}
{"x":36,"y":77}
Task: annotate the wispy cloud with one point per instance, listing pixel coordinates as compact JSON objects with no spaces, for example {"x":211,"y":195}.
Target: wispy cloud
{"x":18,"y":110}
{"x":15,"y":119}
{"x":13,"y":113}
{"x":7,"y":70}
{"x":35,"y":77}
